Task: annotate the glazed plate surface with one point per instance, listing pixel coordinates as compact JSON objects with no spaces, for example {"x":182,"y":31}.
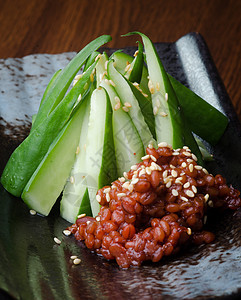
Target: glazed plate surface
{"x":34,"y":267}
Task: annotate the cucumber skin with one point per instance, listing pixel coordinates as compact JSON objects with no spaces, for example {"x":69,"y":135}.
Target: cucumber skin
{"x":27,"y":156}
{"x":48,"y":180}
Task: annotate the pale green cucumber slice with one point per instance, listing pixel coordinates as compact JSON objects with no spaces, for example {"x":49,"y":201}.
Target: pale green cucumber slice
{"x":100,"y":151}
{"x":48,"y":180}
{"x":128,"y":98}
{"x":128,"y":145}
{"x":72,"y":203}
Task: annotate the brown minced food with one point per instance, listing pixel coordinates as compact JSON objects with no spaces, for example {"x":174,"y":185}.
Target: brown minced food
{"x":158,"y":206}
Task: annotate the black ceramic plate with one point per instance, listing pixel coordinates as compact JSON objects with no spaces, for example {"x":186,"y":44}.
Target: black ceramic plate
{"x":34,"y":267}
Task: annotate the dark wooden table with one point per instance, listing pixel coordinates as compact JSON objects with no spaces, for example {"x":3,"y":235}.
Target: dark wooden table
{"x":55,"y":26}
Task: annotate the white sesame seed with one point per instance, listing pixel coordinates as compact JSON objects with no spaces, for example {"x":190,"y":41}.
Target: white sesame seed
{"x":134,"y":181}
{"x":125,"y":175}
{"x":114,"y":187}
{"x":183,"y":165}
{"x":73,"y":257}
{"x":32,"y":212}
{"x":168,"y":184}
{"x":107,"y":190}
{"x":174,"y":192}
{"x":163,"y":114}
{"x":189,"y":193}
{"x":126,"y":184}
{"x":98,"y":198}
{"x":205,"y":219}
{"x":57,"y":241}
{"x":194,"y":189}
{"x":186,"y":185}
{"x":67,"y":232}
{"x":121,"y":195}
{"x":198,"y":167}
{"x":148,"y":170}
{"x":194,"y":157}
{"x":205,"y":171}
{"x":145,"y":157}
{"x":166,"y":96}
{"x":174,"y":173}
{"x":156,"y":166}
{"x":210,"y":203}
{"x":175,"y":153}
{"x":143,"y":167}
{"x":172,"y":167}
{"x":88,"y":222}
{"x":206,"y":197}
{"x":122,"y":179}
{"x":134,"y":167}
{"x":77,"y":261}
{"x":151,"y":87}
{"x":164,"y":174}
{"x":127,"y":104}
{"x":107,"y":197}
{"x":131,"y":187}
{"x":187,"y":153}
{"x":190,"y":167}
{"x":153,"y":158}
{"x":162,"y":144}
{"x":77,"y":150}
{"x":71,"y":179}
{"x":117,"y":106}
{"x":155,"y":110}
{"x":142,"y":172}
{"x":126,"y":109}
{"x":81,"y":216}
{"x":184,"y":199}
{"x":97,"y":218}
{"x":189,"y":160}
{"x":150,"y":146}
{"x":117,"y":99}
{"x":189,"y":231}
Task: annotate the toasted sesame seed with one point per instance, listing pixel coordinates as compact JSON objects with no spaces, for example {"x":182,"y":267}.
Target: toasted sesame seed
{"x":127,"y":104}
{"x":164,"y":174}
{"x":153,"y":158}
{"x":98,"y":198}
{"x":157,"y":86}
{"x":66,"y":232}
{"x":134,"y":167}
{"x":32,"y":212}
{"x":126,"y":109}
{"x":122,"y":179}
{"x":187,"y":153}
{"x":145,"y":157}
{"x":198,"y":167}
{"x":205,"y":219}
{"x":121,"y":195}
{"x":82,"y":215}
{"x":107,"y":190}
{"x":194,"y":157}
{"x":57,"y":241}
{"x":77,"y":261}
{"x":97,"y":218}
{"x":136,"y":53}
{"x":206,"y":197}
{"x":210,"y":203}
{"x":148,"y":170}
{"x":183,"y":165}
{"x":163,"y":144}
{"x":77,"y":150}
{"x":168,"y":184}
{"x":73,"y":257}
{"x":189,"y":231}
{"x":174,"y":173}
{"x":194,"y":189}
{"x":166,"y":96}
{"x":117,"y":106}
{"x":184,"y":199}
{"x":190,"y":167}
{"x":189,"y":193}
{"x":134,"y":181}
{"x":155,"y":110}
{"x":71,"y":179}
{"x":142,"y":172}
{"x":163,"y":114}
{"x":174,"y":192}
{"x":186,"y":185}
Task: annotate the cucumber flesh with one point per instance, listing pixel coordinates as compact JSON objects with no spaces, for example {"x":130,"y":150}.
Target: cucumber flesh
{"x":126,"y":95}
{"x":48,"y":180}
{"x":100,"y":152}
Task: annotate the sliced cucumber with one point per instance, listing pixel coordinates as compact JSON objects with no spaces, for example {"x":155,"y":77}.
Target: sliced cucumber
{"x":75,"y":191}
{"x":48,"y":180}
{"x":127,"y":99}
{"x":100,"y":151}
